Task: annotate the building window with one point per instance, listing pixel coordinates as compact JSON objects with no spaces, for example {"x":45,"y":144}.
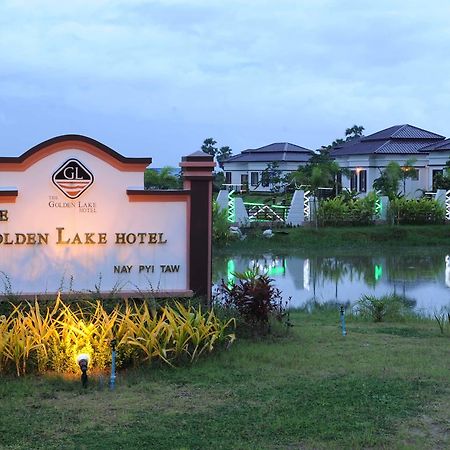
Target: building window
{"x":244,"y":181}
{"x":363,"y":181}
{"x":353,"y":181}
{"x":265,"y":179}
{"x":338,"y":186}
{"x":227,"y":177}
{"x":254,"y":178}
{"x":414,"y":174}
{"x":437,"y":173}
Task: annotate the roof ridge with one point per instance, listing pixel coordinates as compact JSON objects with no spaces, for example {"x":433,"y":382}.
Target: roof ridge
{"x":402,"y":127}
{"x":382,"y":145}
{"x":369,"y":136}
{"x":436,"y":145}
{"x":417,"y":128}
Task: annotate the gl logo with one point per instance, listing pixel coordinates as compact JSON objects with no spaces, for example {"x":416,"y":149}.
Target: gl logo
{"x":72,"y":178}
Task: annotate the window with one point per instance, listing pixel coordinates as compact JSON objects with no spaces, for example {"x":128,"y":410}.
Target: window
{"x":265,"y":179}
{"x":339,"y":182}
{"x":353,"y":181}
{"x":254,"y":178}
{"x":411,"y":172}
{"x":363,"y":181}
{"x":227,"y":177}
{"x":414,"y":174}
{"x":244,"y":181}
{"x":437,"y":173}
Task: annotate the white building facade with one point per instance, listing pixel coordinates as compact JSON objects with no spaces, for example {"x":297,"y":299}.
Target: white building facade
{"x":245,"y":171}
{"x":367,"y":156}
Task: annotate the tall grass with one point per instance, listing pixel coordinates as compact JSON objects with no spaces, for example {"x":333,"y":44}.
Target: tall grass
{"x":35,"y":341}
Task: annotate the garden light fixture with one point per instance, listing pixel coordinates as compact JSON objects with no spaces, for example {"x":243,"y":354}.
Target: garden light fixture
{"x":83,"y":362}
{"x":344,"y":330}
{"x":112,"y":380}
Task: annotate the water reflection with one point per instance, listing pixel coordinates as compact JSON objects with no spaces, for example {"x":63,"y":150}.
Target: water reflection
{"x":424,"y":277}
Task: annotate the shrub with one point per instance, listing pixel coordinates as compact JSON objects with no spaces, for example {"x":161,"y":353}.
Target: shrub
{"x":254,"y":298}
{"x":416,"y":212}
{"x":344,"y":211}
{"x":334,"y":211}
{"x":32,"y":340}
{"x":379,"y":309}
{"x":220,"y":232}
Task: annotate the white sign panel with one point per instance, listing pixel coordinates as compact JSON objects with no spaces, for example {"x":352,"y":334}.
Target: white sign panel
{"x":70,"y":222}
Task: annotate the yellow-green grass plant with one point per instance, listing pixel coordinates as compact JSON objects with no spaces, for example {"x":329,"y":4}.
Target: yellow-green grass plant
{"x":32,"y":340}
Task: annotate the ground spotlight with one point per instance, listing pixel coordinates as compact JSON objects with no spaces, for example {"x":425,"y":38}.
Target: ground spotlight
{"x":83,"y":362}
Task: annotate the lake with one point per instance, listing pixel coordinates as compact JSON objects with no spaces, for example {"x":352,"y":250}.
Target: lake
{"x":422,"y":275}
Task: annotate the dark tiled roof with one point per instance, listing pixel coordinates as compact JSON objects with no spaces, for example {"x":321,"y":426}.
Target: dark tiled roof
{"x":279,"y":147}
{"x":439,"y":146}
{"x":399,"y":139}
{"x":281,"y":151}
{"x":402,"y":132}
{"x":394,"y":146}
{"x":269,"y":157}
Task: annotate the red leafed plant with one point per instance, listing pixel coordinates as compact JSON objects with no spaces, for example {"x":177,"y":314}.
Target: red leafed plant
{"x":255,"y":299}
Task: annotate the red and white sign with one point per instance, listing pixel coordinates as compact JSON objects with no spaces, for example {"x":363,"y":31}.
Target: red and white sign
{"x":74,"y":217}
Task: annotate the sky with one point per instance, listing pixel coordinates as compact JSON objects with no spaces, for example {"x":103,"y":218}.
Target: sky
{"x":155,"y":78}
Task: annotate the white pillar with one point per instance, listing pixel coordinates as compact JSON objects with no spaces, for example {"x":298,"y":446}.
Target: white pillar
{"x":240,"y":211}
{"x":384,"y":208}
{"x":440,"y":196}
{"x":222,"y":199}
{"x":296,"y":214}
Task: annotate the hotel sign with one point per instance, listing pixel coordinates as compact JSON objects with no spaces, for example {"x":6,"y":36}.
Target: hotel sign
{"x":74,"y":217}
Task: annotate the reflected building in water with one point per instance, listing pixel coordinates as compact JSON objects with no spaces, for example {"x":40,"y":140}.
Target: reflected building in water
{"x":420,"y":276}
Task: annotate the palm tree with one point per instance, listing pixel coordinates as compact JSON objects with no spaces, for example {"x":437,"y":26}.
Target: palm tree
{"x":161,"y":179}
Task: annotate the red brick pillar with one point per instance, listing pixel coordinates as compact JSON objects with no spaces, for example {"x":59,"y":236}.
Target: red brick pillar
{"x":197,"y":178}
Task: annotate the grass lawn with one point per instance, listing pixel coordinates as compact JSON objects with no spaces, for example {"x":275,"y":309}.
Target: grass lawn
{"x":347,"y":239}
{"x":384,"y":385}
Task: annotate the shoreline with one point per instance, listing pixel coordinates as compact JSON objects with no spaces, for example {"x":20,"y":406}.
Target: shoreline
{"x":346,"y":239}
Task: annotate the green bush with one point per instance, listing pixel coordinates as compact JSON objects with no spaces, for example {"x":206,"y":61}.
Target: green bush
{"x":416,"y":212}
{"x":345,"y":211}
{"x":220,"y":231}
{"x":391,"y":306}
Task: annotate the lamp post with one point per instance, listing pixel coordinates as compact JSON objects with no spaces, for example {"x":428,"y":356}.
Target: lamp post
{"x":112,"y":380}
{"x":83,"y":362}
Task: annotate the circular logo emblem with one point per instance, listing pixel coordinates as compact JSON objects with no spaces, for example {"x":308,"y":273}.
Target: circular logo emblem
{"x":72,"y":178}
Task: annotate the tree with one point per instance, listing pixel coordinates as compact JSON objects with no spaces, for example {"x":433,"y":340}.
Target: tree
{"x":350,"y":134}
{"x":329,"y":169}
{"x":408,"y":172}
{"x":220,"y":154}
{"x":318,"y":175}
{"x":320,"y":172}
{"x":208,"y":146}
{"x":389,"y":180}
{"x":161,"y":179}
{"x":354,"y":132}
{"x":271,"y":176}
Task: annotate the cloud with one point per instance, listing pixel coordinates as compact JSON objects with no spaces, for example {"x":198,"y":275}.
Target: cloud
{"x":249,"y":72}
